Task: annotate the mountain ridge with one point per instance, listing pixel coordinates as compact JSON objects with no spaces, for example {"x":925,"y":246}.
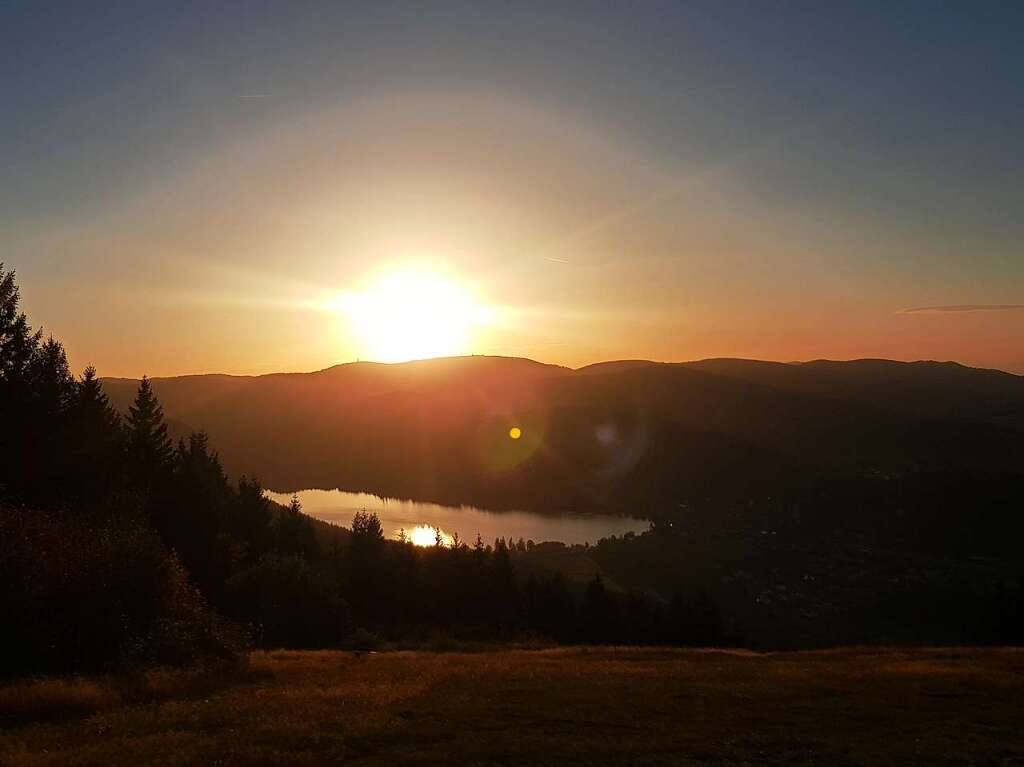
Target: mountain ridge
{"x":590,"y":367}
{"x":853,"y":416}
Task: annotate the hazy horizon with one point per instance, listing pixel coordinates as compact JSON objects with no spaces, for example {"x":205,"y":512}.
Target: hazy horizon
{"x":544,"y":362}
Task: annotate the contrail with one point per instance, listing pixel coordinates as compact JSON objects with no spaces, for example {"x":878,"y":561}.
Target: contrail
{"x":963,"y":308}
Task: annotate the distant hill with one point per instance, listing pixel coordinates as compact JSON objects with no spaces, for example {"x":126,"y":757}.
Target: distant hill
{"x":629,"y":434}
{"x":926,"y":389}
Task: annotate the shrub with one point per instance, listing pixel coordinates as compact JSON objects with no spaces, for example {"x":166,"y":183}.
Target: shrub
{"x":288,"y":603}
{"x":363,"y":640}
{"x":79,"y":597}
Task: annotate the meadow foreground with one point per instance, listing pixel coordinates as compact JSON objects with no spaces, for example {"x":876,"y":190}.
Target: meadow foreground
{"x":560,"y":707}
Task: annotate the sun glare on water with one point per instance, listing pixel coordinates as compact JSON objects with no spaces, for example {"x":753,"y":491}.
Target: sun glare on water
{"x":424,"y":535}
{"x":410,"y":315}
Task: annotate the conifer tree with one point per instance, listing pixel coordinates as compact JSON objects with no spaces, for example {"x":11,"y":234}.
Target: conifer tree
{"x":504,"y":592}
{"x":194,"y":515}
{"x":599,"y":619}
{"x":52,"y":383}
{"x":253,"y":517}
{"x":92,"y":407}
{"x":295,"y":534}
{"x":201,"y":465}
{"x":202,"y":485}
{"x":365,"y":564}
{"x":45,"y":425}
{"x":97,"y":441}
{"x":17,"y":341}
{"x":366,"y":529}
{"x":17,"y":344}
{"x":36,"y":389}
{"x":149,"y":448}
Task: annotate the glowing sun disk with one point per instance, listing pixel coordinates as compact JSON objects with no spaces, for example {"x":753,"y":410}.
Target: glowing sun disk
{"x":414,"y":315}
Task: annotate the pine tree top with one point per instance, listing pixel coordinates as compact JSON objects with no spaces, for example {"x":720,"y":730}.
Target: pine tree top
{"x":147,"y":431}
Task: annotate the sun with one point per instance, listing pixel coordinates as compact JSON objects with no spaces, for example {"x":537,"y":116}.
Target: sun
{"x":408,"y":315}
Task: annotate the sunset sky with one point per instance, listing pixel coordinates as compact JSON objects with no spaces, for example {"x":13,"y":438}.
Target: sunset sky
{"x":245,"y":187}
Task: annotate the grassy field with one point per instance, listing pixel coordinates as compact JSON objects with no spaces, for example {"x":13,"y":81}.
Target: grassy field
{"x":545,"y":707}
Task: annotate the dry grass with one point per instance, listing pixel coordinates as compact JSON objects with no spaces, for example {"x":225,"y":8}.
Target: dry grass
{"x":53,"y":699}
{"x":557,"y":707}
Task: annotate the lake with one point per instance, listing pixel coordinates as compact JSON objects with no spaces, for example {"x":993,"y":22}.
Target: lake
{"x":421,"y":520}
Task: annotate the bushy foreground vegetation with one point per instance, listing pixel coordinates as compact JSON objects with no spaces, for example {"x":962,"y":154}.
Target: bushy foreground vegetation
{"x":595,"y":706}
{"x":77,"y":596}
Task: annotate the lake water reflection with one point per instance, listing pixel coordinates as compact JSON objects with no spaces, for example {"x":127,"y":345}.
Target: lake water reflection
{"x":420,"y":520}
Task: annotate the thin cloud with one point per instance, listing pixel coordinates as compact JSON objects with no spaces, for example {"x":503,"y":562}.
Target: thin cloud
{"x":963,"y":308}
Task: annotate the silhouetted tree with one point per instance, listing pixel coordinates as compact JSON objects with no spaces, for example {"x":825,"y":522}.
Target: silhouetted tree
{"x":194,"y":512}
{"x":287,"y":602}
{"x":366,"y":530}
{"x":150,"y":454}
{"x":252,"y":519}
{"x":294,"y":533}
{"x":53,"y":385}
{"x":97,"y":442}
{"x":599,"y":614}
{"x":18,"y":342}
{"x":52,"y":389}
{"x":695,"y":622}
{"x":365,"y":567}
{"x":92,"y":409}
{"x":401,"y":583}
{"x":504,"y":596}
{"x":549,"y":606}
{"x":33,"y":402}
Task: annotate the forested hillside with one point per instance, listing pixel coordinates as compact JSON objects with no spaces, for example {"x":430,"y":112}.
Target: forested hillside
{"x":923,"y":454}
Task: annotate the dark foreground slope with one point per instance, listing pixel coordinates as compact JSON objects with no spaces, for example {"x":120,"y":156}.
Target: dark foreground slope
{"x":554,"y":707}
